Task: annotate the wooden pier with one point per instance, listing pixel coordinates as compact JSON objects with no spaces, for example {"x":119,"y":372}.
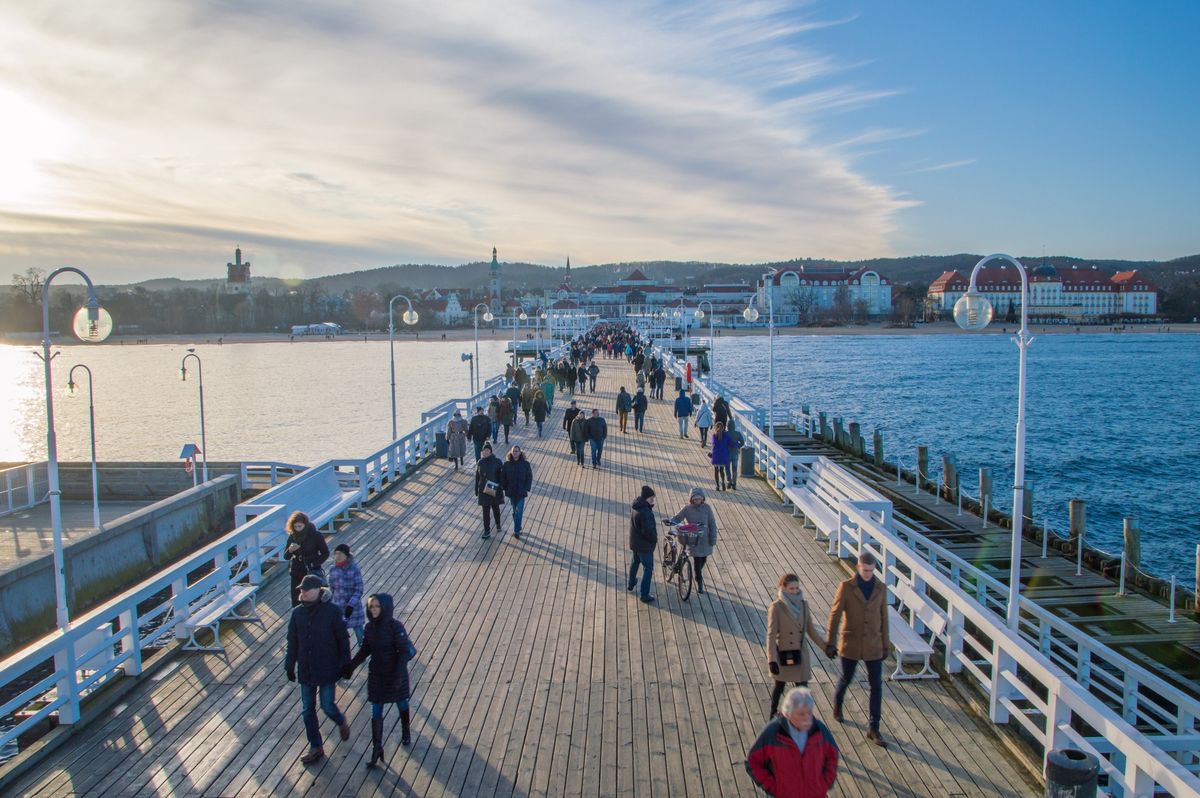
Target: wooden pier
{"x":537,"y":673}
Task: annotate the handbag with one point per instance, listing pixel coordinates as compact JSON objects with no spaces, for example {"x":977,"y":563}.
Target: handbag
{"x":790,"y":657}
{"x":491,"y":487}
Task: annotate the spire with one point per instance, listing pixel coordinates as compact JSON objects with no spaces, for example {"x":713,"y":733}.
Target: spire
{"x":237,"y":255}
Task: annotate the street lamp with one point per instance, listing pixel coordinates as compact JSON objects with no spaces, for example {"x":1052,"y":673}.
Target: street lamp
{"x":487,"y":316}
{"x":974,"y":312}
{"x":93,"y":324}
{"x":183,"y":378}
{"x":409,"y":317}
{"x":538,"y":346}
{"x":751,"y":314}
{"x":92,"y":428}
{"x":712,"y":341}
{"x":523,"y":316}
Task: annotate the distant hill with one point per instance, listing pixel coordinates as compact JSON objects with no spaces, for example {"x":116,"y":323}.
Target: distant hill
{"x":918,"y":269}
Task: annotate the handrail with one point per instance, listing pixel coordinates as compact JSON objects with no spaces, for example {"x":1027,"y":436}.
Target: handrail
{"x":22,"y":487}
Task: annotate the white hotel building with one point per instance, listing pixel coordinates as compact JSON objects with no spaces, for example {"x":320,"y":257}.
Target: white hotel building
{"x":816,"y":289}
{"x":1078,"y":293}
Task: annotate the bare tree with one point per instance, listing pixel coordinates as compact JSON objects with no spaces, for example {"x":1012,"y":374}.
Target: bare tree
{"x":862,"y":310}
{"x":841,"y":304}
{"x":801,"y":300}
{"x":29,"y":285}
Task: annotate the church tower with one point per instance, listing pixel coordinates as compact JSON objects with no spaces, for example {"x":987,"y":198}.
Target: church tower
{"x":495,"y":283}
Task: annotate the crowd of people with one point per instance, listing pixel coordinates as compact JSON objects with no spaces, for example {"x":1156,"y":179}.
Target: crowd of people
{"x":795,"y":755}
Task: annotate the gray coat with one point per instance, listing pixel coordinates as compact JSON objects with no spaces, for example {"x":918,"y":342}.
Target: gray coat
{"x":704,"y":516}
{"x":456,"y":437}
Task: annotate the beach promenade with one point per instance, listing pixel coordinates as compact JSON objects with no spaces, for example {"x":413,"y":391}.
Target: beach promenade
{"x":537,"y":674}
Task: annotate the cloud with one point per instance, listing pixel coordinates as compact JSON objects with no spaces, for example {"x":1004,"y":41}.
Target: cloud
{"x":942,"y":166}
{"x":322,"y":136}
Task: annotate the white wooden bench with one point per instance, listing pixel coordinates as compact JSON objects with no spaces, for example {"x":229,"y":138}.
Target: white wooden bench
{"x":221,"y":606}
{"x":818,"y":499}
{"x":907,"y":641}
{"x":317,"y":492}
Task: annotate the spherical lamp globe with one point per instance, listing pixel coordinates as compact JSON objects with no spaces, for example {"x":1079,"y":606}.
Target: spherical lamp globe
{"x":972,"y":311}
{"x":410,"y":317}
{"x":750,"y":314}
{"x":487,"y":316}
{"x":92,"y":324}
{"x":699,"y":313}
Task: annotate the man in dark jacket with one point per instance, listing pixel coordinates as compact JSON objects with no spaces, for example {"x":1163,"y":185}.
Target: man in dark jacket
{"x":517,"y":481}
{"x":568,"y":419}
{"x":479,"y":429}
{"x":317,"y":649}
{"x":514,"y":394}
{"x":540,"y":410}
{"x":593,"y":372}
{"x":660,"y":380}
{"x":796,"y":755}
{"x":720,"y":411}
{"x":643,"y":537}
{"x":683,"y":413}
{"x":624,"y":405}
{"x":639,"y":404}
{"x":597,"y":430}
{"x":582,"y":374}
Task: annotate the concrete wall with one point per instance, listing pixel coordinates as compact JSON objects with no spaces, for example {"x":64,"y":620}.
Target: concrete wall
{"x":125,"y":481}
{"x":102,"y":565}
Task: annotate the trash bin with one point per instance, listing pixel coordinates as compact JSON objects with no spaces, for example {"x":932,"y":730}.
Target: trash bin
{"x":747,"y":461}
{"x":678,"y":384}
{"x":441,"y":446}
{"x":1071,"y":773}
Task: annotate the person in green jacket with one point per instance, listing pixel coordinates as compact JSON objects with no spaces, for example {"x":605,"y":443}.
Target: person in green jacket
{"x":548,"y":392}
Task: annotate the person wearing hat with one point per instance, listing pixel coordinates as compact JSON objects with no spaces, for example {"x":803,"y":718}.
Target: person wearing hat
{"x":479,"y":428}
{"x":346,"y":584}
{"x":489,"y":489}
{"x":317,"y":650}
{"x":643,"y":537}
{"x":456,"y":439}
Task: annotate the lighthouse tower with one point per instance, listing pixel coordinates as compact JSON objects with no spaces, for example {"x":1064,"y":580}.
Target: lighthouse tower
{"x":495,"y":283}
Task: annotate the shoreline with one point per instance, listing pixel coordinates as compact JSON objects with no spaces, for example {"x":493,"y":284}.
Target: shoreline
{"x":468,"y":334}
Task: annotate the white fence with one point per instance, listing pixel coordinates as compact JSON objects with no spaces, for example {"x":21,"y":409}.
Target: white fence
{"x":1049,"y":677}
{"x":23,"y":486}
{"x":54,"y":674}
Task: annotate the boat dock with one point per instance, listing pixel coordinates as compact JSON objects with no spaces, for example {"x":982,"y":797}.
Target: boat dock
{"x":538,"y":674}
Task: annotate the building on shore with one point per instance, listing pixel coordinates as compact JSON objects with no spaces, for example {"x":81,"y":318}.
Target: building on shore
{"x":802,"y":294}
{"x":237,"y":275}
{"x":1070,"y":294}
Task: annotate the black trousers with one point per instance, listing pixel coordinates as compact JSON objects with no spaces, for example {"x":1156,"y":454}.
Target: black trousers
{"x":296,"y":577}
{"x":777,"y":693}
{"x":699,"y":563}
{"x":492,"y":510}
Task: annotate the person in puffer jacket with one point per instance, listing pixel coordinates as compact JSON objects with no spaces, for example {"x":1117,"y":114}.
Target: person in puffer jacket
{"x":389,"y":648}
{"x":346,"y":584}
{"x":796,"y":755}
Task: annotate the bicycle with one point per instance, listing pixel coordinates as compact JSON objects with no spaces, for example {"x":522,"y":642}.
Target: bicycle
{"x":677,"y":561}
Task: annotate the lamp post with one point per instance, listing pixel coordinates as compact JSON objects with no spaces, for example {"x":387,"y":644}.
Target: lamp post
{"x":523,"y":316}
{"x":487,"y":316}
{"x":409,"y":317}
{"x":974,"y":312}
{"x":712,"y":341}
{"x":469,"y":359}
{"x":751,"y":314}
{"x":183,"y":378}
{"x":91,"y":323}
{"x":538,"y":346}
{"x":92,"y":430}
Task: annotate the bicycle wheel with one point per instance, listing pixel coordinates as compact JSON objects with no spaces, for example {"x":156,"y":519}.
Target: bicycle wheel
{"x":668,"y":555}
{"x":684,"y":585}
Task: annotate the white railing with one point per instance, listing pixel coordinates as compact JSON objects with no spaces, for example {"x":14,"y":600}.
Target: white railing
{"x":110,"y":640}
{"x":23,"y":486}
{"x":1026,"y":680}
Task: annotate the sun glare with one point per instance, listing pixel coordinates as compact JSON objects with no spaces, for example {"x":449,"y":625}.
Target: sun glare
{"x":30,"y":136}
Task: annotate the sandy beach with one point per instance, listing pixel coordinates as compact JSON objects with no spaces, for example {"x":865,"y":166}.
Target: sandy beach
{"x":468,"y":334}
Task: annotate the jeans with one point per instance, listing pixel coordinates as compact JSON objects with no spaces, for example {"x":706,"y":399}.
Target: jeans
{"x":308,"y":710}
{"x":495,"y":430}
{"x":377,"y":709}
{"x":874,"y":676}
{"x":639,"y":421}
{"x":539,"y":426}
{"x":579,"y":452}
{"x":597,"y":448}
{"x":591,"y":384}
{"x":623,"y":417}
{"x":731,"y":469}
{"x":703,"y":435}
{"x":478,"y":447}
{"x":358,"y":634}
{"x":645,"y":559}
{"x":518,"y":511}
{"x":683,"y":426}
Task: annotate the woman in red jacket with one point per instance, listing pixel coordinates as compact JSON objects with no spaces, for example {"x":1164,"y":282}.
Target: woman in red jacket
{"x":795,"y":756}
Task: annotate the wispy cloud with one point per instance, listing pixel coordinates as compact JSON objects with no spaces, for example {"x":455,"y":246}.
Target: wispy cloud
{"x":322,"y":135}
{"x":942,"y":166}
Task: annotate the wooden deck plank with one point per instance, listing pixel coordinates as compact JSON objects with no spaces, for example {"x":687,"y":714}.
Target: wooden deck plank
{"x":538,"y":674}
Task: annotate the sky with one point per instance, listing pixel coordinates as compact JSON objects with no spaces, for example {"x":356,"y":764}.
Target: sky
{"x":148,"y":138}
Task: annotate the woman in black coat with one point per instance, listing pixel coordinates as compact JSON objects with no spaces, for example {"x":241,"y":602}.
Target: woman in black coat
{"x":489,"y":489}
{"x":387,"y":644}
{"x":517,"y":482}
{"x":306,"y":549}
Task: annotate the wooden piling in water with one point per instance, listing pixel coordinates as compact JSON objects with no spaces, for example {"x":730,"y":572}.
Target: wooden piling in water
{"x":985,"y":492}
{"x":839,"y":434}
{"x":878,"y":447}
{"x":922,"y":465}
{"x":950,"y":477}
{"x":856,"y":439}
{"x":824,"y":426}
{"x":1133,"y":543}
{"x":1077,"y":522}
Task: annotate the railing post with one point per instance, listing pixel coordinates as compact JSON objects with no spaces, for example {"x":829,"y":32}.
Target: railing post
{"x":64,"y":668}
{"x":954,"y":638}
{"x":1002,"y":664}
{"x":131,"y":641}
{"x":179,"y":603}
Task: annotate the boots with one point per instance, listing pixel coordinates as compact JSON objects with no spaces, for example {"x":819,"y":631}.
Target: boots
{"x":376,"y":741}
{"x":405,"y":739}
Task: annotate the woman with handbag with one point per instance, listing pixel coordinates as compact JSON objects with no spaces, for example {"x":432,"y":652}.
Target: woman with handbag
{"x":789,"y":619}
{"x":489,"y":490}
{"x":306,"y":551}
{"x":388,"y":646}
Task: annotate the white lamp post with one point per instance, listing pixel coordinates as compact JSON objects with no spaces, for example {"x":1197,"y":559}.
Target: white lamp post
{"x":200,"y":375}
{"x":974,"y":312}
{"x":538,"y":346}
{"x":409,"y":317}
{"x":487,"y":316}
{"x":712,"y":341}
{"x":91,"y":323}
{"x":92,"y":430}
{"x":751,"y":314}
{"x":522,"y":316}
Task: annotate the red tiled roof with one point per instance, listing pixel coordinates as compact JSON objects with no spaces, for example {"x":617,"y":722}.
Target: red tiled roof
{"x":1133,"y":281}
{"x":565,"y":304}
{"x":636,"y":274}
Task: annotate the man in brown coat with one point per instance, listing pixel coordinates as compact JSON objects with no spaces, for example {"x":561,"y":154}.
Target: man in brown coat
{"x":860,"y":610}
